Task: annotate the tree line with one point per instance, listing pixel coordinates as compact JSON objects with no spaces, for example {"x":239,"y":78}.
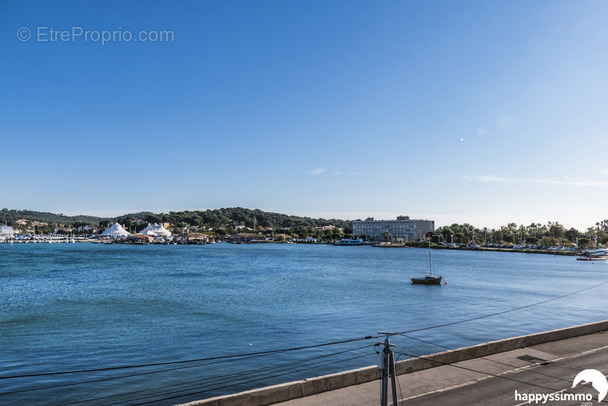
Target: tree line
{"x":550,"y":234}
{"x":10,"y":217}
{"x":238,"y":216}
{"x":228,"y":220}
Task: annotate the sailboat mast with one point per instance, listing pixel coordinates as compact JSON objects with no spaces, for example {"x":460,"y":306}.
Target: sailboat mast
{"x":430,"y":267}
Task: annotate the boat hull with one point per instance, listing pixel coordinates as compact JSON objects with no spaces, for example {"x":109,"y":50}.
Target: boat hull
{"x":427,"y":280}
{"x":347,"y":242}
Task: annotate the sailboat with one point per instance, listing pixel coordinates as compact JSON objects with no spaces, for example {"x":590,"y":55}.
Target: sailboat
{"x":428,"y":279}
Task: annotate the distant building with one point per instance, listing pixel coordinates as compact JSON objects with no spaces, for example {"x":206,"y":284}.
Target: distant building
{"x":325,"y":228}
{"x":6,"y":230}
{"x":244,"y":237}
{"x":138,"y":238}
{"x":196,"y":238}
{"x":401,"y":229}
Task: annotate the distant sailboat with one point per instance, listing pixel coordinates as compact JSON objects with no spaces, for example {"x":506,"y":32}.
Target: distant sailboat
{"x":428,"y":279}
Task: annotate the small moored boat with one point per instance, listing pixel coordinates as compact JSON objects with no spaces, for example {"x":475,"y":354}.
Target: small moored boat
{"x":428,"y":279}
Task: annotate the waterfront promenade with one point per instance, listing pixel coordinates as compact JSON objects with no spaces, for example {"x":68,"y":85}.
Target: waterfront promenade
{"x":503,"y":378}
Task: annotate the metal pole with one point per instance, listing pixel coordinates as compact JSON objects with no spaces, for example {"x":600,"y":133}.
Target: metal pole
{"x":388,"y":364}
{"x":393,"y":378}
{"x":384,"y":384}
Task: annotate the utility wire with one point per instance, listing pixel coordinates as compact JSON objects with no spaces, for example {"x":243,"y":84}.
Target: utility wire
{"x":235,"y":376}
{"x":181,"y":394}
{"x":220,"y":379}
{"x":498,"y":313}
{"x":272,"y":372}
{"x":171,"y":370}
{"x":225,"y":357}
{"x":124,"y":376}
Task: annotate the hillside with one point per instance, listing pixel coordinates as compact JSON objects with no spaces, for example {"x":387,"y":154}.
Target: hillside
{"x":209,"y":218}
{"x":8,"y":216}
{"x":241,"y":216}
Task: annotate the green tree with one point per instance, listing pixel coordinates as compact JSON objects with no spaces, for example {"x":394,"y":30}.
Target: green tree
{"x":337,"y":234}
{"x":531,"y":240}
{"x":556,"y":230}
{"x":583,"y":243}
{"x":572,"y":234}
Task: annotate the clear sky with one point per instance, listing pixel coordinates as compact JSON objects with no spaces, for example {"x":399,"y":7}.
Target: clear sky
{"x":484,"y":112}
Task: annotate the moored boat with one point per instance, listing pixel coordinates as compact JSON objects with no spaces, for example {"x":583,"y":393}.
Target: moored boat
{"x":428,"y":279}
{"x":346,"y":241}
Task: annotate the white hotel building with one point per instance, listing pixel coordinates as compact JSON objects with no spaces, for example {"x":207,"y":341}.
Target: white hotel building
{"x":402,"y":229}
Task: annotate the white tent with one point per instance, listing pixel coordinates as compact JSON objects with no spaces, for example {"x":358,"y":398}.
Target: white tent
{"x":116,"y":231}
{"x":156,"y":230}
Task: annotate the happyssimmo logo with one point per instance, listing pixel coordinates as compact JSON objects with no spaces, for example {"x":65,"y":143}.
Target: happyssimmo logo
{"x":593,"y":376}
{"x":597,"y":380}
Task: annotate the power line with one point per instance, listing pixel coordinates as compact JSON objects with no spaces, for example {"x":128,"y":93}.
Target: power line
{"x":214,"y":379}
{"x":225,"y":357}
{"x":245,"y":374}
{"x":241,"y":382}
{"x":127,"y":376}
{"x":223,"y":385}
{"x":499,"y":313}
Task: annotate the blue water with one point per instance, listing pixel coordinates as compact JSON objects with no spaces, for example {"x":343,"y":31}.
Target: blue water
{"x":77,"y":307}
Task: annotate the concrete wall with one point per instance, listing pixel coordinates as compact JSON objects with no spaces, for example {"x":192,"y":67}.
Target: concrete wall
{"x":307,"y":387}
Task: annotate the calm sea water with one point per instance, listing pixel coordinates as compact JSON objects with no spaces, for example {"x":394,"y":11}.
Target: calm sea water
{"x":82,"y":307}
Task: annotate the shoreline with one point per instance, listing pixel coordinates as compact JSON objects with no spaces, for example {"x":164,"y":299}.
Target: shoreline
{"x":378,"y":245}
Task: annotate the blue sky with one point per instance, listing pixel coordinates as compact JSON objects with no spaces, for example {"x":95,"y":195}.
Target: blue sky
{"x":484,"y":112}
